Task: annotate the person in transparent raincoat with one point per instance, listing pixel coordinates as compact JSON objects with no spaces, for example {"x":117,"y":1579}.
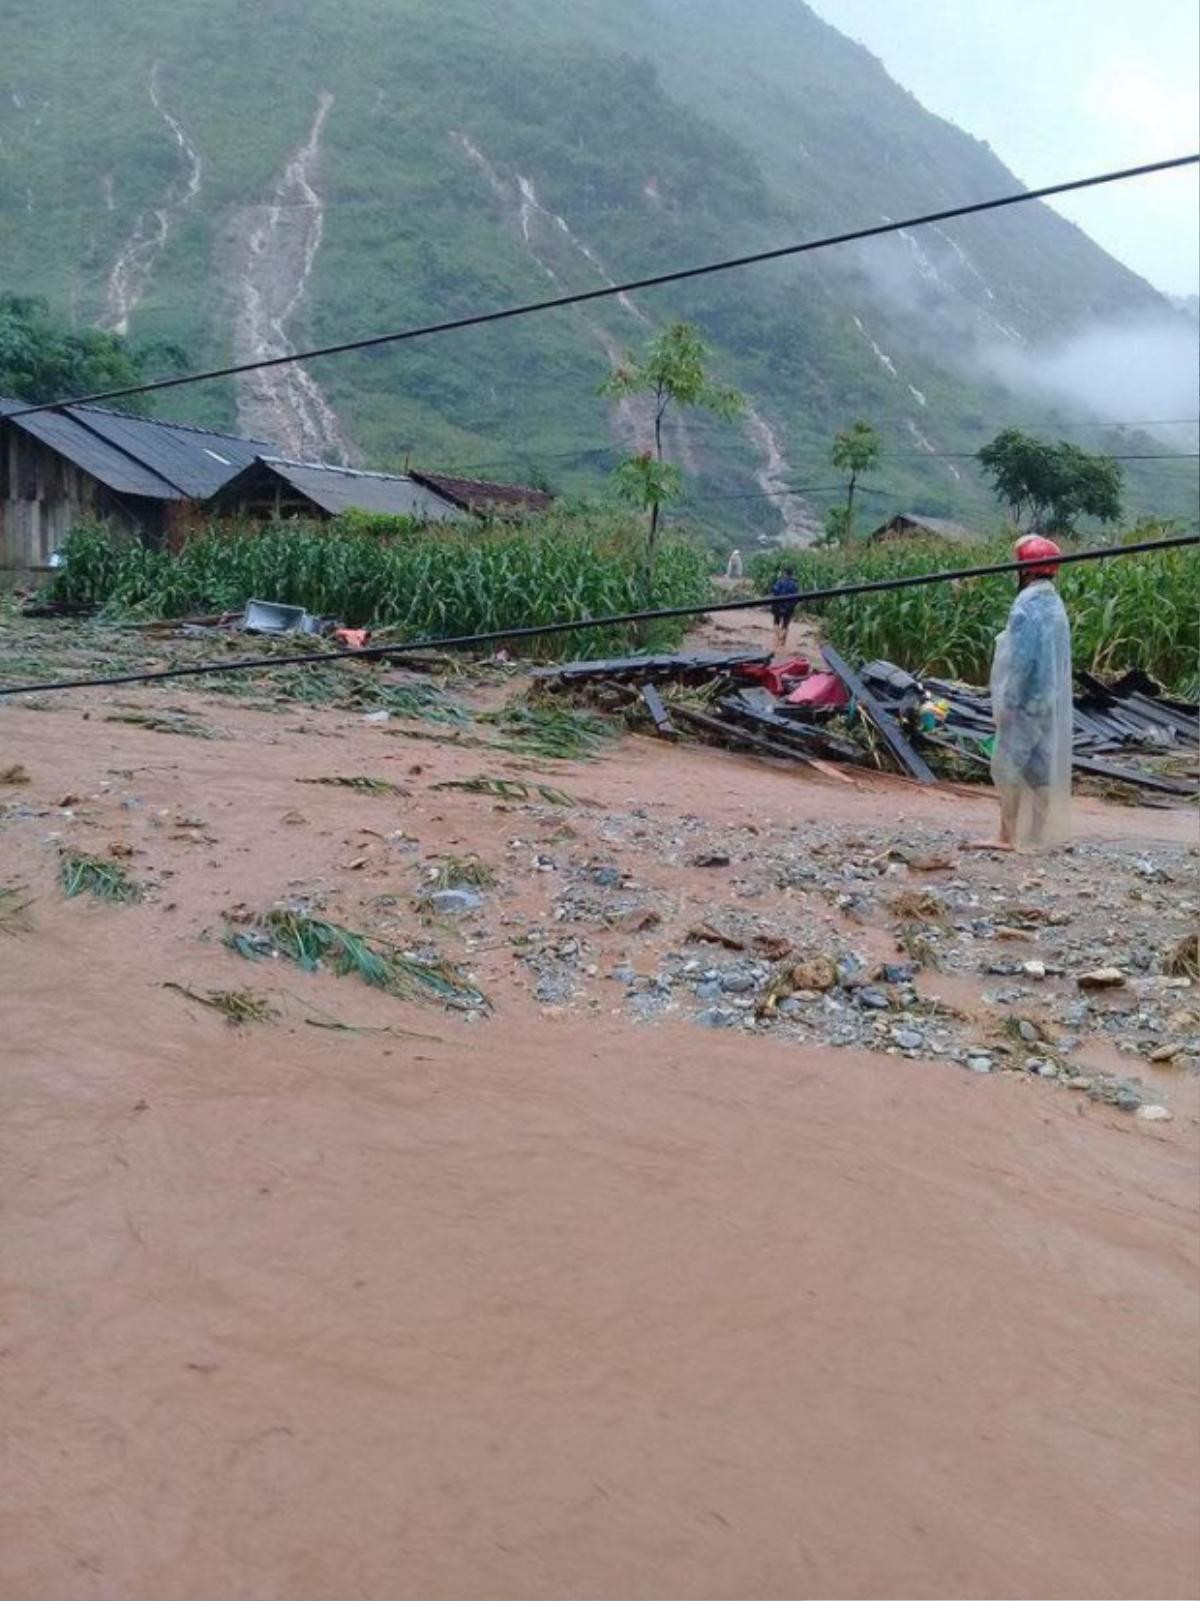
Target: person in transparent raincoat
{"x":1032,"y":706}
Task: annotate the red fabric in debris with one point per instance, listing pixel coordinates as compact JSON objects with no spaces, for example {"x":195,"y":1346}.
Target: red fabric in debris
{"x":352,"y":638}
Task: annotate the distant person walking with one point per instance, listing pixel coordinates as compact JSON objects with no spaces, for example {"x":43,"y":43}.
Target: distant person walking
{"x":733,"y":568}
{"x":784,"y":609}
{"x":1032,"y":707}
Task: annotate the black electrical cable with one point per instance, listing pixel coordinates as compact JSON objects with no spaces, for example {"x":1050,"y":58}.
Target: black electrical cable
{"x":539,"y":630}
{"x":609,"y":291}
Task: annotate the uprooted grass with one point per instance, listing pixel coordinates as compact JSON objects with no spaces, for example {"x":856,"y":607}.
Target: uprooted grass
{"x":92,"y":875}
{"x":557,"y":732}
{"x":343,"y":688}
{"x":509,"y":789}
{"x":164,"y":723}
{"x":236,"y":1006}
{"x":313,"y":943}
{"x":360,"y":782}
{"x":11,"y":777}
{"x":1183,"y":959}
{"x":14,"y":905}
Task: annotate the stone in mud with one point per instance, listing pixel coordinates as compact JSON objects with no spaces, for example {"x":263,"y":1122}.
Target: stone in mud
{"x":455,"y":902}
{"x":1100,"y":978}
{"x":1153,"y":1114}
{"x":908,"y":1039}
{"x":716,"y":1017}
{"x":738,"y":983}
{"x":979,"y":1064}
{"x":814,"y":972}
{"x":873,"y":998}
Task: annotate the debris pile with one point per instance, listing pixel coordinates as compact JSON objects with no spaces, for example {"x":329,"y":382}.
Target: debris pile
{"x":880,"y":715}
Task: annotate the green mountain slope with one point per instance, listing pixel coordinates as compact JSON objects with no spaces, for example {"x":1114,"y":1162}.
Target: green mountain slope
{"x":250,"y":177}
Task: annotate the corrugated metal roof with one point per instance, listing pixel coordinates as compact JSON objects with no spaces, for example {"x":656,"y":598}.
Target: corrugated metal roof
{"x":197,"y":460}
{"x":140,"y":455}
{"x":112,"y":467}
{"x":338,"y":489}
{"x":476,"y":495}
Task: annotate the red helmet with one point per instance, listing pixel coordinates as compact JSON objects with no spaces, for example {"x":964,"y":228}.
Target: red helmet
{"x":1036,"y":548}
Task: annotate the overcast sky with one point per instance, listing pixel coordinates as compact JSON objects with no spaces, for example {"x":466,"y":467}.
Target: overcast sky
{"x":1061,"y":89}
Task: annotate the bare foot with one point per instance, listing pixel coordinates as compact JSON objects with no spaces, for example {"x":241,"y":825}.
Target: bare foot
{"x":987,"y":845}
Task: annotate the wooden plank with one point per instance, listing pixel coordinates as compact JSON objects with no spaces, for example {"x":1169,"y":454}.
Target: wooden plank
{"x":913,"y":763}
{"x":740,"y":736}
{"x":1131,"y":775}
{"x":654,"y":705}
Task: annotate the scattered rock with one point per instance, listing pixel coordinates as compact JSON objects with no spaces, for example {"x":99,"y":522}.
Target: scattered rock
{"x":638,"y":921}
{"x":908,"y":1039}
{"x":979,"y":1064}
{"x":1034,"y":969}
{"x":1101,"y":978}
{"x":454,"y":902}
{"x":871,"y":997}
{"x":1165,"y":1053}
{"x":711,"y":859}
{"x":716,"y":1017}
{"x":706,"y":934}
{"x":814,"y":972}
{"x":1153,"y":1114}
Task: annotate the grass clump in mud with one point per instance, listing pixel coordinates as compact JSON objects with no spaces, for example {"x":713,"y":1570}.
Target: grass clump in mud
{"x":11,"y":777}
{"x":509,"y":789}
{"x":313,"y":943}
{"x":236,"y":1006}
{"x":1183,"y":959}
{"x":92,"y":875}
{"x":558,"y":732}
{"x":459,"y":872}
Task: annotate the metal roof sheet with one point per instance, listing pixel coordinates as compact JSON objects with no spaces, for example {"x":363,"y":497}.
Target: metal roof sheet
{"x":338,"y":489}
{"x":60,"y":432}
{"x":140,"y":455}
{"x":197,"y":460}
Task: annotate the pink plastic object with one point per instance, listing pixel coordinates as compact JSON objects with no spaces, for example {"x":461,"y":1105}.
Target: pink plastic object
{"x":819,"y":689}
{"x":778,"y":677}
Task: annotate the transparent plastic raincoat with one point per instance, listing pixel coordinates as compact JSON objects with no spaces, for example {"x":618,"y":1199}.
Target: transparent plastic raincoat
{"x":1031,"y":703}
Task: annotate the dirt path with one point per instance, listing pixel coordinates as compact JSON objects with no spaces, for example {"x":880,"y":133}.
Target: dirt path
{"x":551,"y":1303}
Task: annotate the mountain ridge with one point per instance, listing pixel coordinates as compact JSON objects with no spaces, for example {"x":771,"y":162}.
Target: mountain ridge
{"x":283,"y":174}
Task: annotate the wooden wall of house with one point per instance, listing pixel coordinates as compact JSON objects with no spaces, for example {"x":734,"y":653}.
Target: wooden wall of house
{"x":43,"y":496}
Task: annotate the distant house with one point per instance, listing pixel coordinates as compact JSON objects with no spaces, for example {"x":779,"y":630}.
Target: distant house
{"x":273,"y":487}
{"x":484,"y":499}
{"x":913,"y":525}
{"x":62,"y":467}
{"x":73,"y":464}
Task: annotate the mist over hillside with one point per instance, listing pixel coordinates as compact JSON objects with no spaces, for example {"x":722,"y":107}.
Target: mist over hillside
{"x":248,"y":179}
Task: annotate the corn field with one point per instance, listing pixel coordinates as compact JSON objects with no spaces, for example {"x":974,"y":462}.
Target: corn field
{"x":1135,"y":611}
{"x":421,"y":585}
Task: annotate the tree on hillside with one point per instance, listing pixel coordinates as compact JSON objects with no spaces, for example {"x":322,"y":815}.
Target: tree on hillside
{"x":42,"y":358}
{"x":855,"y":449}
{"x":670,"y":372}
{"x":1052,"y":485}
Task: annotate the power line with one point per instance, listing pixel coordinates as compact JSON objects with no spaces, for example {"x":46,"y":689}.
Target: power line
{"x":540,"y":630}
{"x":610,"y":291}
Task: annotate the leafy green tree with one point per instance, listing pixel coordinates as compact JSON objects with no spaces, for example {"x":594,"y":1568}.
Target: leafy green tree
{"x":670,"y":372}
{"x":837,"y":526}
{"x":42,"y":358}
{"x":855,"y":449}
{"x":1051,"y":485}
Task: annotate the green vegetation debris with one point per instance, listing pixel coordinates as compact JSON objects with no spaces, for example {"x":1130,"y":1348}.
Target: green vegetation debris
{"x":313,"y":943}
{"x":236,"y":1006}
{"x":366,"y":786}
{"x":168,"y":723}
{"x":551,"y":731}
{"x":92,"y":875}
{"x":509,"y":789}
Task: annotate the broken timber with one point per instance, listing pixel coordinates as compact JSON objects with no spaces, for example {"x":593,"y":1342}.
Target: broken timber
{"x":654,"y":705}
{"x":914,"y":764}
{"x":697,"y":667}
